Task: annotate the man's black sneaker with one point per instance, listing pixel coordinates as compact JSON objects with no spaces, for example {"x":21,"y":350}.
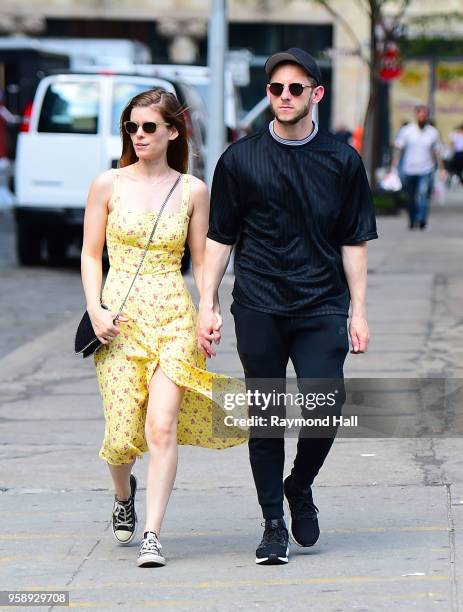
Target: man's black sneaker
{"x":124,"y":519}
{"x":303,"y":524}
{"x":274,"y":547}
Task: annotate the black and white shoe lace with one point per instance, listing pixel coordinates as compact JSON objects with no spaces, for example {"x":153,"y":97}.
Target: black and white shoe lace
{"x":150,"y":554}
{"x":124,"y":518}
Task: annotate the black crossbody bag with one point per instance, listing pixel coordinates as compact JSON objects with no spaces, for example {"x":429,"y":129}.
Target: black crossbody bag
{"x":86,"y":342}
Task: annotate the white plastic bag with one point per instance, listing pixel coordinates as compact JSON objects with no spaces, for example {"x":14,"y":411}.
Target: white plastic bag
{"x":439,"y":191}
{"x":391,"y":182}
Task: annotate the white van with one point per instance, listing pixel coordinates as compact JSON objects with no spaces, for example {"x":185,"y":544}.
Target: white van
{"x":199,"y":78}
{"x":70,"y":136}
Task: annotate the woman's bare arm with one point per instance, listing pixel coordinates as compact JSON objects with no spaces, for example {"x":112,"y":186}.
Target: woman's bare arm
{"x":95,"y":220}
{"x":197,"y":230}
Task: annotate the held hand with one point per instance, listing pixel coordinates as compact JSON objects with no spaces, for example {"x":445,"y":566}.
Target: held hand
{"x":208,"y":330}
{"x":443,"y":175}
{"x":218,"y":324}
{"x":105,"y":324}
{"x":359,"y":334}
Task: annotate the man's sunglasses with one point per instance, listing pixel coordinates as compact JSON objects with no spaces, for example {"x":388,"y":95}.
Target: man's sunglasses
{"x":149,"y":127}
{"x":295,"y":89}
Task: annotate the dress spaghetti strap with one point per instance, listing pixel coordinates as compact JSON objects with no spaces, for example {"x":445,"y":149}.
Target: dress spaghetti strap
{"x":185,"y":194}
{"x":115,"y":196}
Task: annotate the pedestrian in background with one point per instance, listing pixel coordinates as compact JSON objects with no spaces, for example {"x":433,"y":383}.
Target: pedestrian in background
{"x":343,"y":134}
{"x":155,"y":389}
{"x":456,"y":144}
{"x":400,"y":163}
{"x":419,"y":144}
{"x":6,"y":118}
{"x":296,"y":203}
{"x":357,"y":138}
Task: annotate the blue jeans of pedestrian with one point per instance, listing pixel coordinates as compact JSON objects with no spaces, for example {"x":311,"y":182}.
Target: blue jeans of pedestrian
{"x":419,"y":189}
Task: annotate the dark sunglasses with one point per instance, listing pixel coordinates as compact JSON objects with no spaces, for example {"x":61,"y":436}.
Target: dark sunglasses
{"x":149,"y":127}
{"x":295,"y":89}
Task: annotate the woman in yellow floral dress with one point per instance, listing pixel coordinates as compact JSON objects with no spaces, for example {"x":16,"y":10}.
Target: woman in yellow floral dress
{"x":155,"y":388}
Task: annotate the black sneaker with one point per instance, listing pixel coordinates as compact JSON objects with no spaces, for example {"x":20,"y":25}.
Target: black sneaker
{"x":274,"y":547}
{"x":124,"y":519}
{"x":303,"y":524}
{"x":150,"y":554}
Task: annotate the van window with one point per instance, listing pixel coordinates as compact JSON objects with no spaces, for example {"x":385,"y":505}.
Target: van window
{"x":70,"y":108}
{"x":123,"y":92}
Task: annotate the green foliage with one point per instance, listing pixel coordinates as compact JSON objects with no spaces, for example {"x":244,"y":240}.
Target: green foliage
{"x":388,"y":202}
{"x":429,"y":47}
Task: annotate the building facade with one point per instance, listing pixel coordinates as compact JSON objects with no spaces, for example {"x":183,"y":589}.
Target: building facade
{"x":176,"y":31}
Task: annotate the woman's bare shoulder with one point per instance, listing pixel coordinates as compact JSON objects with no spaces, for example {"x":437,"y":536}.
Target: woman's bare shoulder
{"x":105,"y":179}
{"x":102,"y":185}
{"x":198,"y":187}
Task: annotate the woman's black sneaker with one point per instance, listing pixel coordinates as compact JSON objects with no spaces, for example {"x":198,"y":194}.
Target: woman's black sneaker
{"x":274,"y":547}
{"x":124,"y":519}
{"x":303,"y":524}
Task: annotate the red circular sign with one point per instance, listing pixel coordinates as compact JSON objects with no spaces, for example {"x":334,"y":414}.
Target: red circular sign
{"x":391,"y":63}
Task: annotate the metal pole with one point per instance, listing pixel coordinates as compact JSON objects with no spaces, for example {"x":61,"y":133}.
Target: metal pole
{"x":217,"y":47}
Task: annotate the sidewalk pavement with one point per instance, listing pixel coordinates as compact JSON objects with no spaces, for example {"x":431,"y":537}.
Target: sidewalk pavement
{"x":391,"y":510}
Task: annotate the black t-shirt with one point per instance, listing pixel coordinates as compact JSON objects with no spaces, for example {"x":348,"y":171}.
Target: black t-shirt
{"x":289,"y":209}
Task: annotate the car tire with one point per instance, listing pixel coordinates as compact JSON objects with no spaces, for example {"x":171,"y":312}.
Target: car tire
{"x":57,"y":247}
{"x":28,"y":246}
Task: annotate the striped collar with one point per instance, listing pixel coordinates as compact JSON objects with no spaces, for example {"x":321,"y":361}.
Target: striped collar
{"x":294,"y":143}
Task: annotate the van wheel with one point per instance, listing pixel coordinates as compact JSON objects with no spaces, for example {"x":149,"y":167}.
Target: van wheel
{"x":57,"y":247}
{"x":28,"y":246}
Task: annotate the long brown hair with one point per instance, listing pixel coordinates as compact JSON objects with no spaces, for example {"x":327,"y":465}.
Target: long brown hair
{"x":172,"y":112}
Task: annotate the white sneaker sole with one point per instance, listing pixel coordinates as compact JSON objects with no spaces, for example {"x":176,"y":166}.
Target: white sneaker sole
{"x":126,"y":542}
{"x":273,"y":560}
{"x":151,"y":560}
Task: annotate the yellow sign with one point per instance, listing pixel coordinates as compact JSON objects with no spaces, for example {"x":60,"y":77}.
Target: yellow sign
{"x":410,"y":89}
{"x":448,"y":98}
{"x":413,"y":88}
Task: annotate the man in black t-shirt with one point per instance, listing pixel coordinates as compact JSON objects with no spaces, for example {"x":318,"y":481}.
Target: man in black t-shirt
{"x":296,"y":204}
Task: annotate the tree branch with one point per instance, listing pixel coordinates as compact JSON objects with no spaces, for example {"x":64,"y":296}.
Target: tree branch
{"x":399,"y":16}
{"x":365,"y":6}
{"x":345,"y":24}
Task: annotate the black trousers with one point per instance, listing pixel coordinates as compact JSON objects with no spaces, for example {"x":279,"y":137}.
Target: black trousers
{"x":317,"y":347}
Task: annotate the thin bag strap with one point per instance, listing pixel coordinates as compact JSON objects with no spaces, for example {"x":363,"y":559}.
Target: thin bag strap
{"x":148,"y":244}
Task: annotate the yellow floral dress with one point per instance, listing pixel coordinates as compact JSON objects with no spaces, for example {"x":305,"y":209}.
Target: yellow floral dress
{"x":161,"y":330}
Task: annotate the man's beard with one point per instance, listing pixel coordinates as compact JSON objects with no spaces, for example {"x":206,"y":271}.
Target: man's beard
{"x":304,"y":112}
{"x":422,"y":124}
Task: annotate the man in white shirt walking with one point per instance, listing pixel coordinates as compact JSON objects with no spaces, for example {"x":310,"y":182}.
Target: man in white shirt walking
{"x":419,"y":143}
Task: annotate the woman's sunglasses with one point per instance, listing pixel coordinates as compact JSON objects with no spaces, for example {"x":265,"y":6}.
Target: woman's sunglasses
{"x":295,"y":89}
{"x":149,"y":127}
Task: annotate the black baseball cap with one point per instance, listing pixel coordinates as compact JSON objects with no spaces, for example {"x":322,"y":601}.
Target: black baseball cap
{"x":298,"y":56}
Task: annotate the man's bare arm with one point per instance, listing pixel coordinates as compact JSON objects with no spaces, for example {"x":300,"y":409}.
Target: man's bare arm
{"x":396,"y":154}
{"x":354,"y":261}
{"x":215,"y":263}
